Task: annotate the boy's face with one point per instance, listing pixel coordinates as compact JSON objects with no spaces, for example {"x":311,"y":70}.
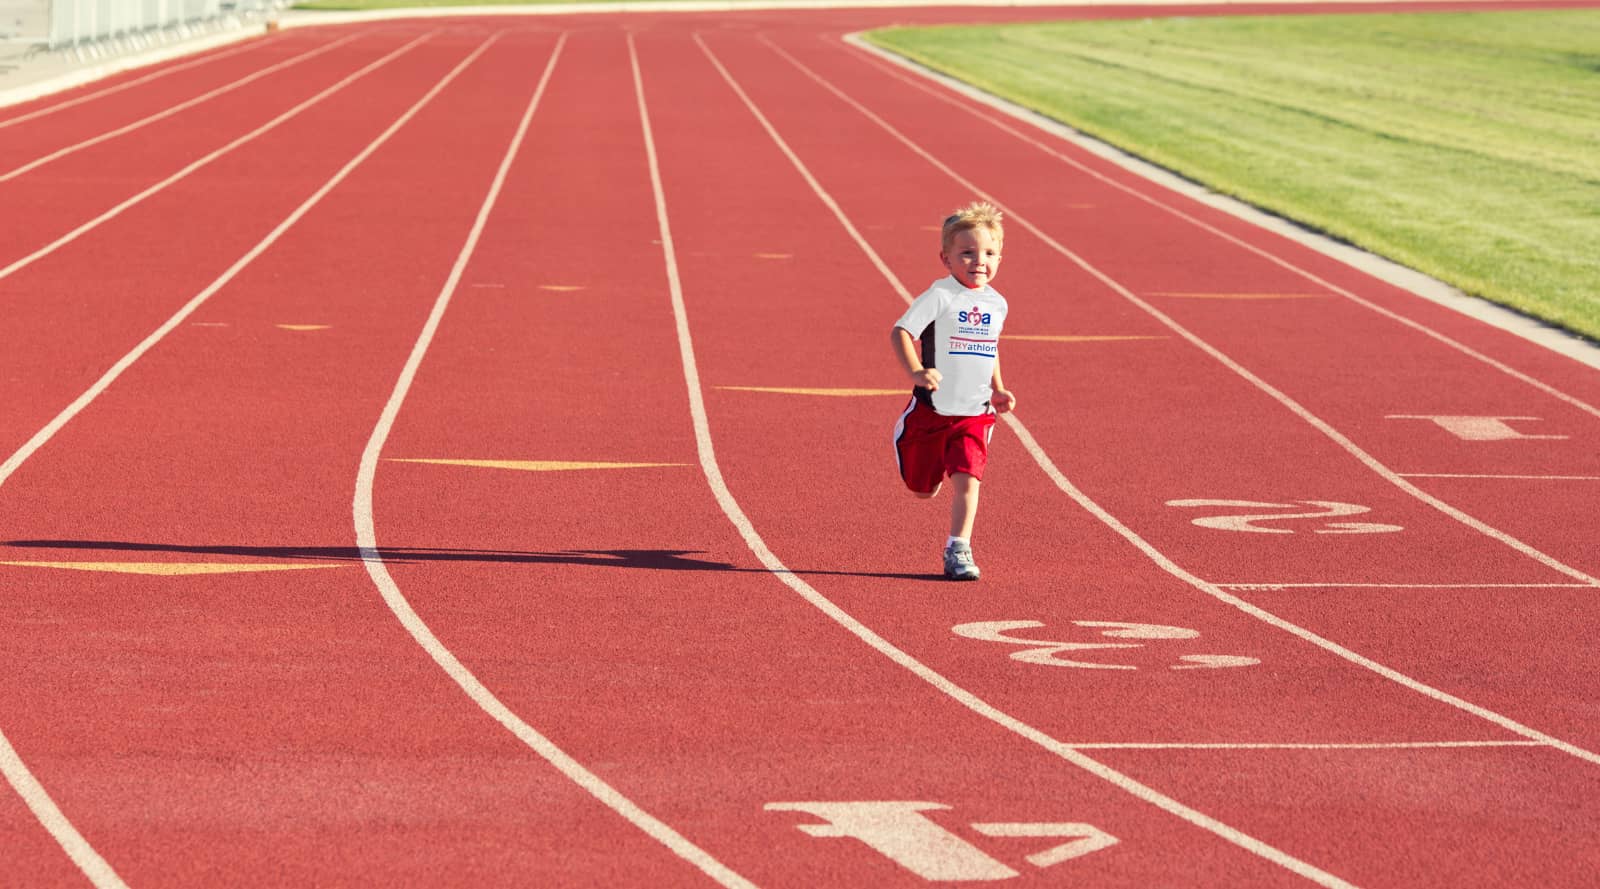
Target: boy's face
{"x":973,"y":257}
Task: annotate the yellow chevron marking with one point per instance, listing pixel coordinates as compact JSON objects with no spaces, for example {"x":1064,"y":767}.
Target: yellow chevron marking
{"x":561,"y":288}
{"x":298,"y":327}
{"x":1188,"y":295}
{"x":173,"y":567}
{"x":838,"y":393}
{"x":533,"y":465}
{"x":774,"y":255}
{"x":1044,"y":338}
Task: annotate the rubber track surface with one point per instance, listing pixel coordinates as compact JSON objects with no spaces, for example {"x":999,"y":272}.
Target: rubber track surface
{"x":1289,"y":575}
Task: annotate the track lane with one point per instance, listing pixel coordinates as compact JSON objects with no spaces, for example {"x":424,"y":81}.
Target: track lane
{"x":65,"y":193}
{"x":38,"y":150}
{"x":279,"y":707}
{"x":707,"y":298}
{"x":646,"y":657}
{"x":74,"y":313}
{"x":1460,"y":562}
{"x":815,"y":131}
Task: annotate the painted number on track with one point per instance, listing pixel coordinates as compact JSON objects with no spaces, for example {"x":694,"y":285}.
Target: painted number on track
{"x":1049,"y":652}
{"x":899,"y":831}
{"x":1315,"y":520}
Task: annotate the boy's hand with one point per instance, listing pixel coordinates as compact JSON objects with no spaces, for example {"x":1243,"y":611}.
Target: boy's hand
{"x":928,"y":378}
{"x":1003,"y":401}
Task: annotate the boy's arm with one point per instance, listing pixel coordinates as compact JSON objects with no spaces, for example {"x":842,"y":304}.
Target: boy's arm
{"x":1002,"y":398}
{"x":910,"y":358}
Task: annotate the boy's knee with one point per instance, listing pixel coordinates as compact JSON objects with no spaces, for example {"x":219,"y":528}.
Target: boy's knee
{"x":929,"y":495}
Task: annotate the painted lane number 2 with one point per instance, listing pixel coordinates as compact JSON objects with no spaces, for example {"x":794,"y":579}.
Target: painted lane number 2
{"x":1049,"y":652}
{"x":899,"y":831}
{"x":1323,"y":510}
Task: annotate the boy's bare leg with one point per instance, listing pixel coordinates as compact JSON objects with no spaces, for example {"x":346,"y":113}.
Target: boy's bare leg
{"x":963,"y":504}
{"x":931,"y":494}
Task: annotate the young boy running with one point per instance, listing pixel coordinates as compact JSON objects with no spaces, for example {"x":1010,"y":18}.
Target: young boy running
{"x":948,"y":342}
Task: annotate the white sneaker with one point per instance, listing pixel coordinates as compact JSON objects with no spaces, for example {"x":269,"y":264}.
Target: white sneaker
{"x":958,"y":564}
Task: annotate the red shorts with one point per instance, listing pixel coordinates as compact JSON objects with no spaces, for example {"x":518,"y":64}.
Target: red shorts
{"x":929,"y":446}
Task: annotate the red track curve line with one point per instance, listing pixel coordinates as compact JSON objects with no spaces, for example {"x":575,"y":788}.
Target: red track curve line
{"x":746,"y":529}
{"x":1294,"y":407}
{"x":1166,"y":564}
{"x":112,"y":213}
{"x":175,"y":109}
{"x":122,"y":86}
{"x":372,"y":558}
{"x":16,"y":771}
{"x":887,"y":59}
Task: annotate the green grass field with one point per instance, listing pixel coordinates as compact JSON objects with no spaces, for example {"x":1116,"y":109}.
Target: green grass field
{"x":1466,"y":146}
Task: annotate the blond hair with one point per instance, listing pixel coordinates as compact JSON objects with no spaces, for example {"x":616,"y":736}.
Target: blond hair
{"x":978,"y":214}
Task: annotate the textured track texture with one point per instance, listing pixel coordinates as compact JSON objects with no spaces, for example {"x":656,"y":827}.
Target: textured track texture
{"x":456,"y":452}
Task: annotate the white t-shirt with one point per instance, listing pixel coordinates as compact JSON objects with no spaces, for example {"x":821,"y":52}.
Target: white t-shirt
{"x":960,"y":334}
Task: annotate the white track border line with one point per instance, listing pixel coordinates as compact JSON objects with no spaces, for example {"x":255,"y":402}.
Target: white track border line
{"x":1540,"y":478}
{"x":97,"y":94}
{"x":17,"y":773}
{"x":1166,"y":564}
{"x":116,"y":211}
{"x":174,"y":109}
{"x":1410,"y":280}
{"x":1357,"y":745}
{"x":1238,"y":369}
{"x":372,"y":558}
{"x":758,"y":546}
{"x":1404,"y":586}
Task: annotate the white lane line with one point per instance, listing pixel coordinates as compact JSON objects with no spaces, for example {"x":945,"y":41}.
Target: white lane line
{"x":758,"y":546}
{"x":1552,"y":478}
{"x":1156,"y":556}
{"x":116,"y":211}
{"x":175,"y":109}
{"x":1294,"y":407}
{"x":49,"y":814}
{"x":1573,"y":349}
{"x":1404,"y":586}
{"x":16,"y":771}
{"x":97,"y":94}
{"x":367,"y":541}
{"x":1376,"y":745}
{"x":1268,"y":617}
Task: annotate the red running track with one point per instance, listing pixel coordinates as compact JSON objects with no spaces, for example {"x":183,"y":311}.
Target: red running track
{"x":464,"y":369}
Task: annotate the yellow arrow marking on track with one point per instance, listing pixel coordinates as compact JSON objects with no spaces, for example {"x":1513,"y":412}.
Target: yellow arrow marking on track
{"x":561,"y":288}
{"x":532,"y":465}
{"x":171,"y":567}
{"x":1188,"y":295}
{"x":838,"y":393}
{"x":1045,"y":338}
{"x":298,"y":327}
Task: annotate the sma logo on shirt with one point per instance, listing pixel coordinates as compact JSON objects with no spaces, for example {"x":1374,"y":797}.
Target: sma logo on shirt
{"x":973,"y":317}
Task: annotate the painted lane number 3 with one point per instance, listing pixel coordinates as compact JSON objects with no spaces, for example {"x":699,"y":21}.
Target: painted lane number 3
{"x":1050,"y":652}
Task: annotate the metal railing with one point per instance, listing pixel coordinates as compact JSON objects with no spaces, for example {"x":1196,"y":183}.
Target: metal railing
{"x":113,"y":25}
